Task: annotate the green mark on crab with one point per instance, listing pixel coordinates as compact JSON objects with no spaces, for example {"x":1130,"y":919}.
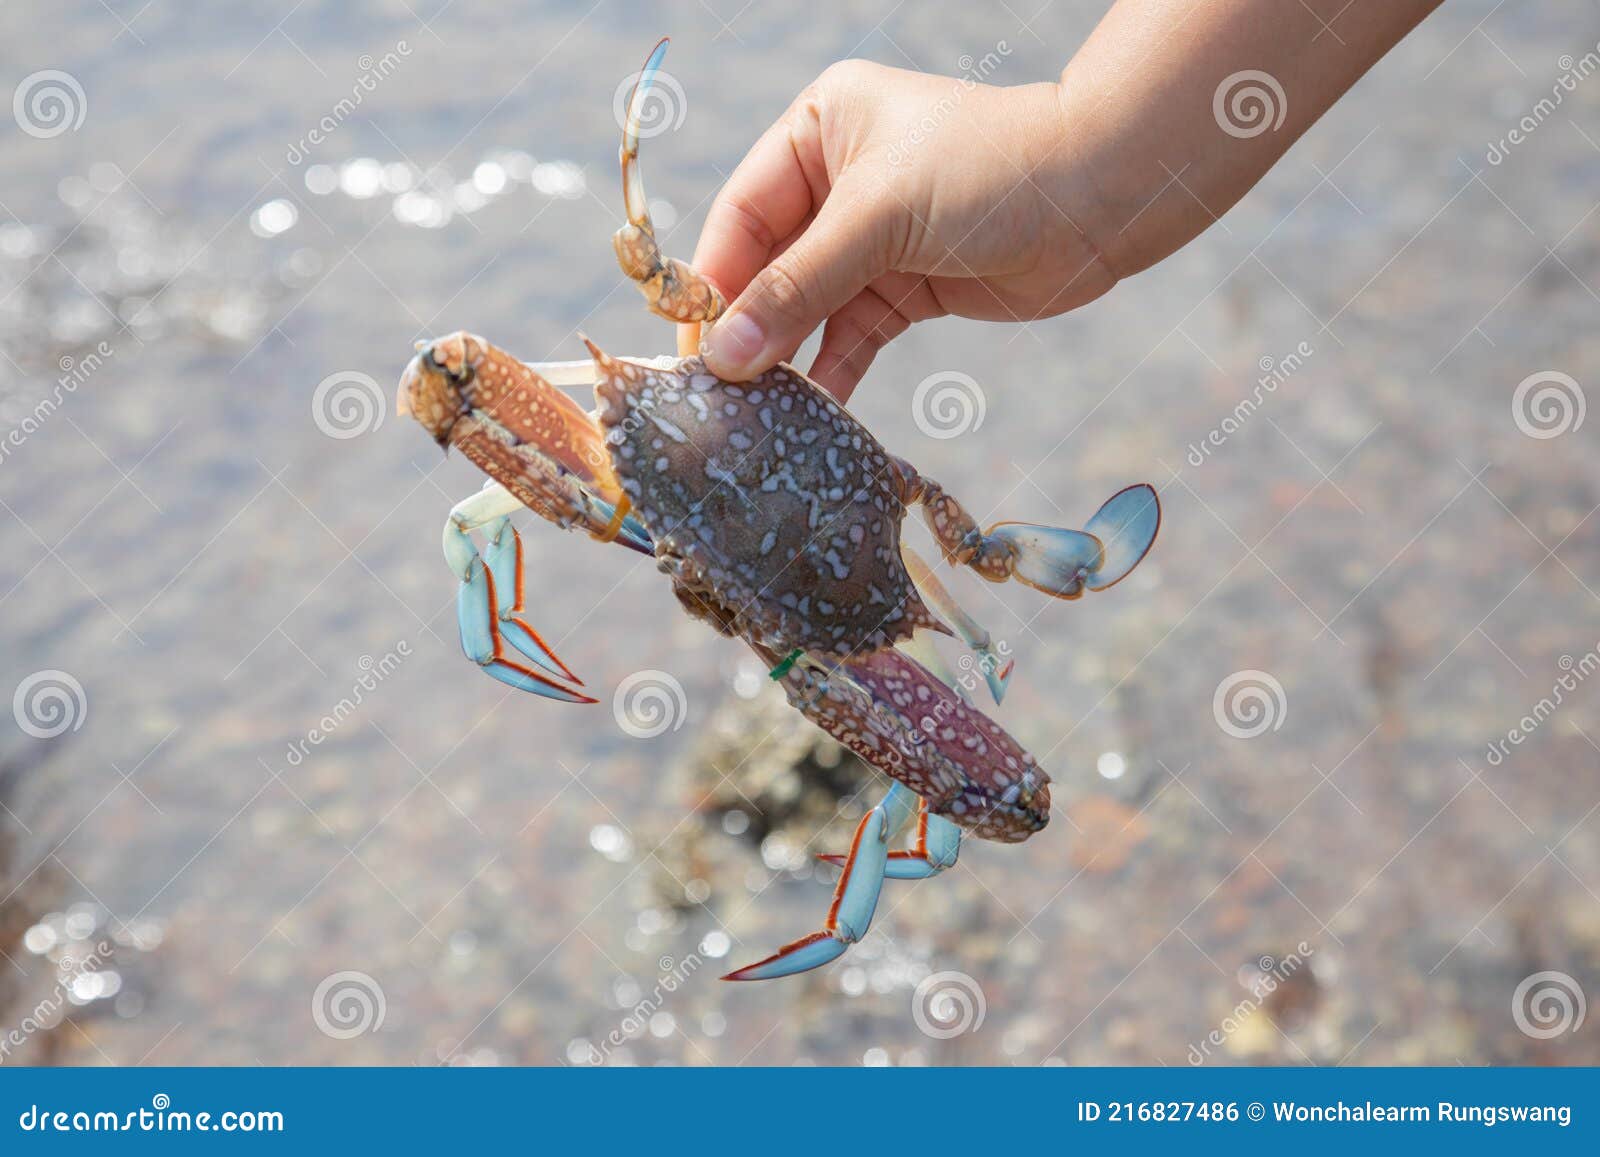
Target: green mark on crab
{"x":788,"y":662}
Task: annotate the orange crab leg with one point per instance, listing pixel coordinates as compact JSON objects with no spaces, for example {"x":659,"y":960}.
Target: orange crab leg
{"x":672,"y":288}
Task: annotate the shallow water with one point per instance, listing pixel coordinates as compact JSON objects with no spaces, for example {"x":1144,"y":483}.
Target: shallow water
{"x":218,"y":557}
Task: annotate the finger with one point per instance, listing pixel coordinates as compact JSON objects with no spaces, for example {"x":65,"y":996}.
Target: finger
{"x":771,"y":195}
{"x":695,"y":330}
{"x":843,"y":249}
{"x":851,"y":340}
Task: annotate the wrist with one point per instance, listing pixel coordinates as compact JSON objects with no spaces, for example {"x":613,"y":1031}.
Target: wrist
{"x":1094,"y":181}
{"x":1082,"y":239}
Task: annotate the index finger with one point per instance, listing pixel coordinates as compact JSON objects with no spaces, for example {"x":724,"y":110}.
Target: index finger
{"x":773,"y":192}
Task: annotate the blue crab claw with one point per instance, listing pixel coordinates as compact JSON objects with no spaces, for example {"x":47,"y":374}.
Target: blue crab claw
{"x":480,"y":623}
{"x":855,"y":899}
{"x":503,"y":558}
{"x":1126,"y":526}
{"x":938,"y":843}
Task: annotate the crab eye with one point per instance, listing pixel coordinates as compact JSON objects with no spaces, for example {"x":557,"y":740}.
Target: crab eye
{"x":459,"y":376}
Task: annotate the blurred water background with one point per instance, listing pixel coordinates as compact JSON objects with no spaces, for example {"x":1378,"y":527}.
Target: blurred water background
{"x":207,"y":561}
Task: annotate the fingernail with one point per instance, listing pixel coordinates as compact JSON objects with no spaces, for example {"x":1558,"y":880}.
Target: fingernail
{"x":733,"y":344}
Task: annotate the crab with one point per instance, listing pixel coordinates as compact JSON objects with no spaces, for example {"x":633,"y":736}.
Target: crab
{"x":777,"y":517}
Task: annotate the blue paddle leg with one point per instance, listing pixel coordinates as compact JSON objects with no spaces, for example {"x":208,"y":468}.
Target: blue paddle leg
{"x":1126,"y":527}
{"x":1064,"y":563}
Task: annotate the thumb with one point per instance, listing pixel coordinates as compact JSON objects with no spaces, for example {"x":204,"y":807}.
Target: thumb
{"x":844,"y":248}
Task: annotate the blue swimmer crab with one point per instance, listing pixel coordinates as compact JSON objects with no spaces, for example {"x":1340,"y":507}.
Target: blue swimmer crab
{"x":777,"y":517}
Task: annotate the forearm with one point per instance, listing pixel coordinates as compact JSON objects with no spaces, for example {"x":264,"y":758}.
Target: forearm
{"x":1148,"y":158}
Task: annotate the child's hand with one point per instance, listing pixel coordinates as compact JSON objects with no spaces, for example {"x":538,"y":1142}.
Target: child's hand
{"x":884,"y":197}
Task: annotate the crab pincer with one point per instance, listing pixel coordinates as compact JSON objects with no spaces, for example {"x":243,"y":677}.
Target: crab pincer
{"x":954,"y":768}
{"x":543,"y":452}
{"x":855,"y":897}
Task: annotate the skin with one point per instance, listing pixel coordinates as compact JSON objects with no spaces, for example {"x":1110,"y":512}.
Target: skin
{"x":1019,"y":203}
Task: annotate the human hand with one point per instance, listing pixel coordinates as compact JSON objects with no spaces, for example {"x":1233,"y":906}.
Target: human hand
{"x":884,"y":197}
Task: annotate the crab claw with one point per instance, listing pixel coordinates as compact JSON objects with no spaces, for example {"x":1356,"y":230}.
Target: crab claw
{"x":899,"y":718}
{"x":503,"y":557}
{"x":478,"y":617}
{"x":854,"y":901}
{"x":936,"y":847}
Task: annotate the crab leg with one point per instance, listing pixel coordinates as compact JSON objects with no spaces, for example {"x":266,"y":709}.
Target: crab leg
{"x":920,"y":647}
{"x":491,"y":595}
{"x":996,"y":669}
{"x":1059,"y":562}
{"x":938,"y":843}
{"x":855,"y":899}
{"x":672,"y":289}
